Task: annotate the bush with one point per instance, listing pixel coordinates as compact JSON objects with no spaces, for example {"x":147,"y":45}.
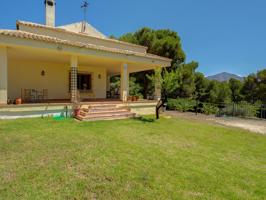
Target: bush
{"x":134,"y":87}
{"x":171,"y":104}
{"x":209,"y":109}
{"x":181,"y":104}
{"x":242,"y":109}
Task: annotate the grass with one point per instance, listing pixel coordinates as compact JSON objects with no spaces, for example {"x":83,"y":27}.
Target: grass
{"x":129,"y":159}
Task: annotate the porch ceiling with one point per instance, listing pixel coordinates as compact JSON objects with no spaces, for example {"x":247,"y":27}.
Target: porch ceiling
{"x":112,"y":65}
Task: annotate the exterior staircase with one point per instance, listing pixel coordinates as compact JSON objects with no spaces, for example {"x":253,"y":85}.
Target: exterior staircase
{"x":94,"y":112}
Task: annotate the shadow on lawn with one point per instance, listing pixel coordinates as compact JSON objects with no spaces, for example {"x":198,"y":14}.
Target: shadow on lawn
{"x":145,"y":119}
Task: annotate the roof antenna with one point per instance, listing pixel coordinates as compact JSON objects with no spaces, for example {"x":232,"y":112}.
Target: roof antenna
{"x":84,"y":6}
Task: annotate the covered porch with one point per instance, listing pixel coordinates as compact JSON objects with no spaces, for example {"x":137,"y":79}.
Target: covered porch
{"x":68,"y":74}
{"x":65,"y":78}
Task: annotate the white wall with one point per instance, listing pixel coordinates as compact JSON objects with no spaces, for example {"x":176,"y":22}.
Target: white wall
{"x":27,"y":75}
{"x":3,"y":75}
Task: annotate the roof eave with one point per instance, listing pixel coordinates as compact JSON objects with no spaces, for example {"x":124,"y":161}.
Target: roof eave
{"x":47,"y":39}
{"x":70,"y":32}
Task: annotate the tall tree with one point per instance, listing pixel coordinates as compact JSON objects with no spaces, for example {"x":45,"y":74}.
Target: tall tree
{"x":250,"y":88}
{"x":218,"y":92}
{"x":167,"y":79}
{"x":224,"y":93}
{"x":235,"y":87}
{"x":162,"y":42}
{"x":254,"y":87}
{"x":186,"y":80}
{"x":201,"y":84}
{"x":261,"y":76}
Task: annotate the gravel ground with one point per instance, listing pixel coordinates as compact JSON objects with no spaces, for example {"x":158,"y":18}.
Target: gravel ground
{"x":254,"y":125}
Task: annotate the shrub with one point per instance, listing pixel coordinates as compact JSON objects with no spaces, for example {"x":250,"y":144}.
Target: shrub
{"x":171,"y":104}
{"x":209,"y":109}
{"x":134,"y":87}
{"x":181,"y":104}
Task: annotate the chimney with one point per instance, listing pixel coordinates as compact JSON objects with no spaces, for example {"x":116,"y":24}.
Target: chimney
{"x":50,"y":12}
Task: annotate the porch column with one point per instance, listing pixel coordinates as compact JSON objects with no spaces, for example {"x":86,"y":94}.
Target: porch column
{"x":108,"y":79}
{"x":157,"y":84}
{"x":73,"y":78}
{"x":124,"y":85}
{"x":3,"y":75}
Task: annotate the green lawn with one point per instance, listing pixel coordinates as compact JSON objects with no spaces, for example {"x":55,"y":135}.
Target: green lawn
{"x":129,"y":159}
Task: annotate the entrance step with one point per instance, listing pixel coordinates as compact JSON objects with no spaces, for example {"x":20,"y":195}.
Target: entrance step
{"x":113,"y":116}
{"x":100,"y":105}
{"x":102,"y":112}
{"x":103,"y":109}
{"x":95,"y":112}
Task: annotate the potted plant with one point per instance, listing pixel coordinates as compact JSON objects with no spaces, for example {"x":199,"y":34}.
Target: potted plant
{"x":134,"y":89}
{"x":76,"y":110}
{"x":18,"y":101}
{"x":134,"y":98}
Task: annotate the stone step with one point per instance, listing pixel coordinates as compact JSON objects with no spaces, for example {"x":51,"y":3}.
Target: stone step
{"x":99,"y":111}
{"x":104,"y":118}
{"x":95,"y":115}
{"x":104,"y":109}
{"x":100,"y":106}
{"x":110,"y":116}
{"x":102,"y":112}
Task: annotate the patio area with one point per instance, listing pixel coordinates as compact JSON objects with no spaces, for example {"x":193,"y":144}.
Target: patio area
{"x":54,"y":76}
{"x":64,"y":107}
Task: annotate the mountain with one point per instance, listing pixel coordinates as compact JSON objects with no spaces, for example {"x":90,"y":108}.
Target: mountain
{"x":225,"y":77}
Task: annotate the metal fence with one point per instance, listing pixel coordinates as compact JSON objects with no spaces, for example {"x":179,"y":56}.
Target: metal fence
{"x":236,"y":110}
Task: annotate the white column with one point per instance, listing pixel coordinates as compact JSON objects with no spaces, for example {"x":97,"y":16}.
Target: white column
{"x":73,"y":78}
{"x":158,"y":88}
{"x":124,"y":85}
{"x":3,"y":75}
{"x":108,"y":78}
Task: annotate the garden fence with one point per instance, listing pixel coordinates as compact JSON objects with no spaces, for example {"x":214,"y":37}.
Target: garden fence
{"x":236,"y":110}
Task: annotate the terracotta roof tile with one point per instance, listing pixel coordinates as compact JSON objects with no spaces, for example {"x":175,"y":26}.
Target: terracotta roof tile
{"x":61,"y":29}
{"x":48,"y":39}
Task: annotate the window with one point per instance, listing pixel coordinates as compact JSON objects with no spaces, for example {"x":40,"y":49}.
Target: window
{"x":84,"y":82}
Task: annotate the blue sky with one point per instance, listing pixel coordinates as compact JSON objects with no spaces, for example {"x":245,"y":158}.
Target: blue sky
{"x":222,"y":35}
